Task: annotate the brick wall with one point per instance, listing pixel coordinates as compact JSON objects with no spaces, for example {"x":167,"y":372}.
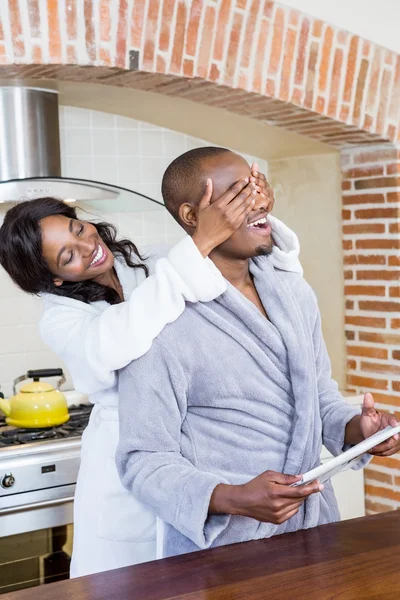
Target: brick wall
{"x":274,"y":64}
{"x":253,"y":57}
{"x":371,"y":244}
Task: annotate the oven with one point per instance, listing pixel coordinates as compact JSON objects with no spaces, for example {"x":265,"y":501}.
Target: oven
{"x":38,"y":473}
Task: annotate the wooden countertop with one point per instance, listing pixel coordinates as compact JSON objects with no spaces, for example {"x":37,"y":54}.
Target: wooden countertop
{"x":351,"y":560}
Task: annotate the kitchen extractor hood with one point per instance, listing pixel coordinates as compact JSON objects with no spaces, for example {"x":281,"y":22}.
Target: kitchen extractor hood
{"x":30,"y":162}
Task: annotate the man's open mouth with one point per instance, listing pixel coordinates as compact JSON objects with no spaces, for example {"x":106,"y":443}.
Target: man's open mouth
{"x":260,"y":224}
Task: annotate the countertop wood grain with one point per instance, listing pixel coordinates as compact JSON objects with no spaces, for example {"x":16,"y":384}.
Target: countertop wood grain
{"x":351,"y":560}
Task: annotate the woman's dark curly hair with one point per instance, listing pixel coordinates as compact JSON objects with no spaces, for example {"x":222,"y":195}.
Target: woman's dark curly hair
{"x":22,"y":258}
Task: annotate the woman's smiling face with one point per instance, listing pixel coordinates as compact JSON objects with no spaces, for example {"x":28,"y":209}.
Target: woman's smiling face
{"x":73,"y":250}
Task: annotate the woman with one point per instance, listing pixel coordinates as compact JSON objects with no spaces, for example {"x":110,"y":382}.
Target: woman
{"x":101,"y":311}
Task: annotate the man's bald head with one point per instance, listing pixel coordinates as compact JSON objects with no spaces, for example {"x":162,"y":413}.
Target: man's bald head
{"x":186,"y":177}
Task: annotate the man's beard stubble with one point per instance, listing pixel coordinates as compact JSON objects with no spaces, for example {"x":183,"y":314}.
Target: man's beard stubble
{"x":265,"y":249}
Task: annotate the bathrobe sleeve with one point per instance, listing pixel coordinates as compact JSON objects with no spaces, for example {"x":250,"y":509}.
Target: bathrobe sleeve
{"x":152,"y":407}
{"x":335,"y":411}
{"x":94,"y":345}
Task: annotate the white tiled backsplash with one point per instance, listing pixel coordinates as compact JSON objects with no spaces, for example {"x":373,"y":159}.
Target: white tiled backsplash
{"x":112,"y":149}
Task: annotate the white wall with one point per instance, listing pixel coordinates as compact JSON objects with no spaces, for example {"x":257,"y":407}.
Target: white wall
{"x":110,"y":148}
{"x":375,"y":20}
{"x":308,"y":199}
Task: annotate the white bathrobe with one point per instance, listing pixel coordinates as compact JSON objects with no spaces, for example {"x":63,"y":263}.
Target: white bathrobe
{"x":111,"y":528}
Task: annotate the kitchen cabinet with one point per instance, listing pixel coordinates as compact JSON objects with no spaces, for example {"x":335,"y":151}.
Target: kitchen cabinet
{"x":348,"y":485}
{"x":349,"y":490}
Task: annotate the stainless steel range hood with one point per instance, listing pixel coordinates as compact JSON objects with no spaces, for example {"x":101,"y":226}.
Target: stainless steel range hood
{"x":30,"y":162}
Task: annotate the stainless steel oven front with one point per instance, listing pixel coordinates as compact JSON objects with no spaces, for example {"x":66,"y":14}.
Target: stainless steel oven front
{"x":37,"y":486}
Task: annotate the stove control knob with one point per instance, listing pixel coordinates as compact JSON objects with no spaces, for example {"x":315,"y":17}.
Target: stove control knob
{"x":8,"y":481}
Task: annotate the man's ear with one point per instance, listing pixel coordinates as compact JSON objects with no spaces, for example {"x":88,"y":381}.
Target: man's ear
{"x":188,"y":215}
{"x":58,"y":282}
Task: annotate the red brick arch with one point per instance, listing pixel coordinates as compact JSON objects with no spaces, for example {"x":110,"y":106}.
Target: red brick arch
{"x":252,"y":57}
{"x":274,"y":64}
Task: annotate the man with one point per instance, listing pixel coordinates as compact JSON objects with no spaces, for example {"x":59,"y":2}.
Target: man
{"x":234,"y":400}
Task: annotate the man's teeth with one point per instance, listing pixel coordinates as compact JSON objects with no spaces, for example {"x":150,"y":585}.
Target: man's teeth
{"x":259,"y":222}
{"x":99,"y":255}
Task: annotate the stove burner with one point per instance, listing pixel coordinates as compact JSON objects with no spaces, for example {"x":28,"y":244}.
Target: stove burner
{"x":23,"y":436}
{"x":14,"y":436}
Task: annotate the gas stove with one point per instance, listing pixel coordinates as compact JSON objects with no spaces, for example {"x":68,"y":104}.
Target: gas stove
{"x":38,"y":473}
{"x":14,"y":436}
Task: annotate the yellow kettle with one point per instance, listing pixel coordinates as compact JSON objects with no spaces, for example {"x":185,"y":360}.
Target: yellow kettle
{"x":37,"y":404}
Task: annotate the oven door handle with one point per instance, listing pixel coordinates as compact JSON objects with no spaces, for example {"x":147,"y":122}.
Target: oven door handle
{"x":36,"y":505}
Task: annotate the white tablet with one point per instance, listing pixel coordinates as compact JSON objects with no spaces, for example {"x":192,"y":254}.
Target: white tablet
{"x":347,"y":459}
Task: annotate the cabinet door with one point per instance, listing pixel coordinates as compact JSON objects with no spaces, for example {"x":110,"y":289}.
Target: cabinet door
{"x":349,"y":491}
{"x":348,"y":485}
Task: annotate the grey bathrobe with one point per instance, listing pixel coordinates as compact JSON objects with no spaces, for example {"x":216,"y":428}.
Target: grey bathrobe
{"x":224,"y":395}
